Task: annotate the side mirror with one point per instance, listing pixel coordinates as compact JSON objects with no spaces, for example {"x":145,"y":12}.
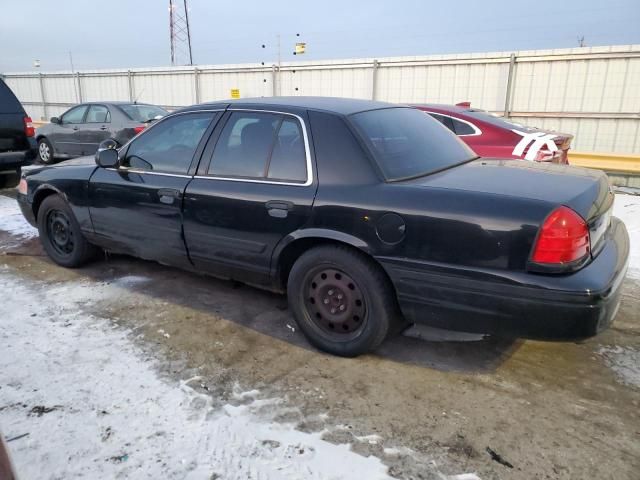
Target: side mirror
{"x":107,"y":158}
{"x":55,"y":120}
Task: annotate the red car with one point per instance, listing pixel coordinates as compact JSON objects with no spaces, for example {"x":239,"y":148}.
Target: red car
{"x":496,"y":137}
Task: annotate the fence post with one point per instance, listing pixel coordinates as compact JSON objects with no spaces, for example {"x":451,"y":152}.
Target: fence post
{"x":374,"y":79}
{"x":510,"y":84}
{"x":79,"y":87}
{"x":196,"y":83}
{"x":44,"y":97}
{"x":274,"y":80}
{"x":130,"y":80}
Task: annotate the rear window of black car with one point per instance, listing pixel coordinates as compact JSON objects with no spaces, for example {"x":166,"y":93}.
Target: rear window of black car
{"x":406,"y":143}
{"x":142,"y":113}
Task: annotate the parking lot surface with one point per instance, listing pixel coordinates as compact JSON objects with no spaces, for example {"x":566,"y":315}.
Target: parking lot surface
{"x":131,"y":368}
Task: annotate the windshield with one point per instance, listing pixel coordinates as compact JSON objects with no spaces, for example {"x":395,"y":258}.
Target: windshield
{"x":407,"y":143}
{"x":142,"y":113}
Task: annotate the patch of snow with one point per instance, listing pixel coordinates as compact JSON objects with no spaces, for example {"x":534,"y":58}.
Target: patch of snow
{"x":129,"y":280}
{"x":624,"y":361}
{"x":113,"y":417}
{"x":627,"y":209}
{"x":12,"y":220}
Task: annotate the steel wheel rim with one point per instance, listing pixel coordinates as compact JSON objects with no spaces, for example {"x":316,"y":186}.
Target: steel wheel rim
{"x":335,"y":303}
{"x":59,"y":232}
{"x":44,"y":152}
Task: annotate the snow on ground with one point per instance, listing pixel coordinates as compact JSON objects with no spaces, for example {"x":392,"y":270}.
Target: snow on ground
{"x":12,"y":221}
{"x":94,"y":407}
{"x":627,"y":209}
{"x":624,"y":361}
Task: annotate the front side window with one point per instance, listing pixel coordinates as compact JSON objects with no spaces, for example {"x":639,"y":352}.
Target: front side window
{"x":260,"y":146}
{"x":406,"y":143}
{"x":75,"y":115}
{"x":170,"y":145}
{"x":98,"y":114}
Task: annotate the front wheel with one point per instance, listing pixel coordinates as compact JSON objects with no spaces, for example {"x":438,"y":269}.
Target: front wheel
{"x":60,"y":234}
{"x":342,"y":300}
{"x":45,"y":151}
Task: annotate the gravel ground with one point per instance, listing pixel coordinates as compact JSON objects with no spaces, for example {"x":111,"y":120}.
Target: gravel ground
{"x":128,"y":369}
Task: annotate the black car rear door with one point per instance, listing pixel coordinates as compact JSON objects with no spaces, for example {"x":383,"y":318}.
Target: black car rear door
{"x":255,"y":184}
{"x":137,"y":208}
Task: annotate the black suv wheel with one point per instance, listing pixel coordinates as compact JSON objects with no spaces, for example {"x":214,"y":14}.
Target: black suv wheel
{"x":342,"y":301}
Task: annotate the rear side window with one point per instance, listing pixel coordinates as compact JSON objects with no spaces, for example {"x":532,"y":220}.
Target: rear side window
{"x":288,"y":161}
{"x":406,"y":143}
{"x":98,"y":114}
{"x":170,"y":145}
{"x":462,"y":128}
{"x":446,"y":121}
{"x":8,"y":101}
{"x":260,"y":145}
{"x":75,"y":115}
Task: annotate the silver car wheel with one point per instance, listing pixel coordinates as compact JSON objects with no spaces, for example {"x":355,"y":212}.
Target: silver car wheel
{"x":45,"y":153}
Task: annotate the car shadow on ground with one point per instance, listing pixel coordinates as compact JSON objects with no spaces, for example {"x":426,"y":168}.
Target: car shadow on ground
{"x":267,"y":313}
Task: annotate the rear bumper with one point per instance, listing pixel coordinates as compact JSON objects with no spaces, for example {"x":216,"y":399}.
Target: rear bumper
{"x":13,"y":160}
{"x":562,"y":307}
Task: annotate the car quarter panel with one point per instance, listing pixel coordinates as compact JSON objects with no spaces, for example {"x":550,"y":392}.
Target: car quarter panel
{"x":69,"y":180}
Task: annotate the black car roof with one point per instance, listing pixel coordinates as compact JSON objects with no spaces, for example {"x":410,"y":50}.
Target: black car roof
{"x":343,"y":106}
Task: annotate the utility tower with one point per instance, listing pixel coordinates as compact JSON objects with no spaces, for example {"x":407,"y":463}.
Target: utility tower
{"x":179,"y":33}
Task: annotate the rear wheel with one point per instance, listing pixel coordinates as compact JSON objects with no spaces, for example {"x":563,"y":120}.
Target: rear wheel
{"x":342,"y":301}
{"x":45,"y":151}
{"x":60,"y":234}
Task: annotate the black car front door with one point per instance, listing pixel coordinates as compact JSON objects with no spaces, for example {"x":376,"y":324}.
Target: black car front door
{"x":137,"y":208}
{"x":255,"y":185}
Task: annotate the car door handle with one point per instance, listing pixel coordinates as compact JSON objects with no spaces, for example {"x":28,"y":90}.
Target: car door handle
{"x":278,"y":208}
{"x":103,"y":128}
{"x":75,"y":129}
{"x":168,"y":195}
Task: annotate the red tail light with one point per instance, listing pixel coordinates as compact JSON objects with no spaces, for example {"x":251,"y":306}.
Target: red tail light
{"x":137,"y":130}
{"x":29,"y":131}
{"x":563,"y":238}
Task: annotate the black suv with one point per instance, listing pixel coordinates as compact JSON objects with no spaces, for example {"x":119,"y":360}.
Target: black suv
{"x":17,"y":135}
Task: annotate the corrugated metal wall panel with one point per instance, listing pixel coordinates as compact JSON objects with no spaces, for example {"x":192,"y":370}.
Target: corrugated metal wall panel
{"x":593,"y":93}
{"x":104,"y":88}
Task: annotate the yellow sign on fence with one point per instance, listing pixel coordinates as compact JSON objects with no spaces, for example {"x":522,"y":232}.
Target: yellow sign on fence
{"x":235,"y":93}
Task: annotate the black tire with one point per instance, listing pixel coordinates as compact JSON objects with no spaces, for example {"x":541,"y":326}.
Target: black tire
{"x":326,"y":278}
{"x":60,"y":234}
{"x":45,"y":151}
{"x":4,"y":180}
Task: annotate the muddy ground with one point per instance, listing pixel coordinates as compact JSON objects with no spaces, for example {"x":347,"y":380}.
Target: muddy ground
{"x":502,"y":408}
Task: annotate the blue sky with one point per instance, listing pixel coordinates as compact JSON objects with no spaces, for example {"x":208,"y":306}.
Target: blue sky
{"x":128,"y":33}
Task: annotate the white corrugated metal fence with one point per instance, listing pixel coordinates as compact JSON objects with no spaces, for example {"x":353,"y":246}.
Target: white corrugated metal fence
{"x":593,"y":93}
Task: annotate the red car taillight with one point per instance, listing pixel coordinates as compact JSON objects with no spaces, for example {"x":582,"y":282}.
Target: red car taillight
{"x":137,"y":130}
{"x":29,"y":131}
{"x":563,"y":238}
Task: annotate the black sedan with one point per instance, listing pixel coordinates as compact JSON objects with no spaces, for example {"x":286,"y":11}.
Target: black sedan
{"x":368,"y":215}
{"x":82,"y":128}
